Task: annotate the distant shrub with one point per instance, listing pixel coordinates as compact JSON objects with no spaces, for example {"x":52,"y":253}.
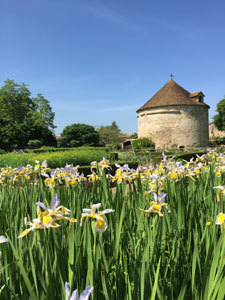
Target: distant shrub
{"x":113,"y":156}
{"x":2,"y":151}
{"x":44,"y":149}
{"x":113,"y":146}
{"x":34,"y":144}
{"x":74,"y":143}
{"x":142,"y":143}
{"x":28,"y":150}
{"x":216,"y":141}
{"x":62,"y":143}
{"x":47,"y":148}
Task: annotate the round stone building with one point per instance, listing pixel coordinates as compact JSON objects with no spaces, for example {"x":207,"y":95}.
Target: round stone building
{"x":175,"y":118}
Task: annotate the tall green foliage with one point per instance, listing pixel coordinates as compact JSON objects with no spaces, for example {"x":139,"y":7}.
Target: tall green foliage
{"x":76,"y":135}
{"x":23,"y":118}
{"x":109,"y":134}
{"x":219,"y":119}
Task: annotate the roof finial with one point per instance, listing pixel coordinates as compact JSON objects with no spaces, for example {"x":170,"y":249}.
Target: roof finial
{"x":171,"y":76}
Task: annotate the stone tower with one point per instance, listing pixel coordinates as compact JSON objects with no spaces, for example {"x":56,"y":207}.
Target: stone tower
{"x":175,"y":118}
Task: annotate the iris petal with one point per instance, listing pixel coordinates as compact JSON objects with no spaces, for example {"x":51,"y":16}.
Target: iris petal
{"x":86,"y":293}
{"x":55,"y":202}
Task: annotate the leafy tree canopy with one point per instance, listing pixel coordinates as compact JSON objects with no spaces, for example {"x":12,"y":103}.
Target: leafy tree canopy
{"x":109,"y":134}
{"x":43,"y":113}
{"x":219,"y":119}
{"x":76,"y":135}
{"x":23,"y":118}
{"x":115,"y":127}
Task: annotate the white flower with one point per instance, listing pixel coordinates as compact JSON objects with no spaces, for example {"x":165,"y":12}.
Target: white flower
{"x":220,"y":187}
{"x":101,"y":223}
{"x":220,"y":218}
{"x":3,"y":239}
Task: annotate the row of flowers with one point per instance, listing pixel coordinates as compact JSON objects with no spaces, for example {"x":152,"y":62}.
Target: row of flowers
{"x":50,"y":217}
{"x":155,"y":177}
{"x":167,"y":169}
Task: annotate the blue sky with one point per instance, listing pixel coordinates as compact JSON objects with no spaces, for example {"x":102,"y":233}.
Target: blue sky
{"x":98,"y":61}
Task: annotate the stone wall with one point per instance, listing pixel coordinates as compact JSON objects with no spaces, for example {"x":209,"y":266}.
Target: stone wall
{"x":175,"y":126}
{"x":214,"y":132}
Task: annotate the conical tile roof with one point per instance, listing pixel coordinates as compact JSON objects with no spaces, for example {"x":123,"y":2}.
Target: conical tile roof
{"x":171,"y":94}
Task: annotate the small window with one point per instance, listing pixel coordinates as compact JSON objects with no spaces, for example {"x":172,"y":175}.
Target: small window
{"x":200,"y":99}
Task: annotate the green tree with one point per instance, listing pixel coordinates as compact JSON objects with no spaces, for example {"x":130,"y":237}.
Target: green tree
{"x":115,"y":127}
{"x":43,"y":114}
{"x":79,"y":135}
{"x":109,"y":134}
{"x":219,"y":119}
{"x":23,"y":118}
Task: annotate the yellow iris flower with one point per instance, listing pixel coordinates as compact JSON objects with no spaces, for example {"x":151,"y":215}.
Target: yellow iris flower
{"x":220,"y":219}
{"x":156,"y":206}
{"x":48,"y":217}
{"x":103,"y":164}
{"x":101,"y":221}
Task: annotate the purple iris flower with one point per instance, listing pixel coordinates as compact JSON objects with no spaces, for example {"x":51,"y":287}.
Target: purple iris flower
{"x":55,"y":202}
{"x":84,"y":296}
{"x":159,"y":198}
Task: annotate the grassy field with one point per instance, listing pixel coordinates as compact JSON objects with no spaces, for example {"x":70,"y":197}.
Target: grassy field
{"x":161,"y":234}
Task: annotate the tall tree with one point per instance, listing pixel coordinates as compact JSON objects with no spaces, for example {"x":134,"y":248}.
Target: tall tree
{"x":109,"y":134}
{"x":114,"y":127}
{"x":22,"y":117}
{"x":43,"y":113}
{"x":78,"y":135}
{"x":219,"y":119}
